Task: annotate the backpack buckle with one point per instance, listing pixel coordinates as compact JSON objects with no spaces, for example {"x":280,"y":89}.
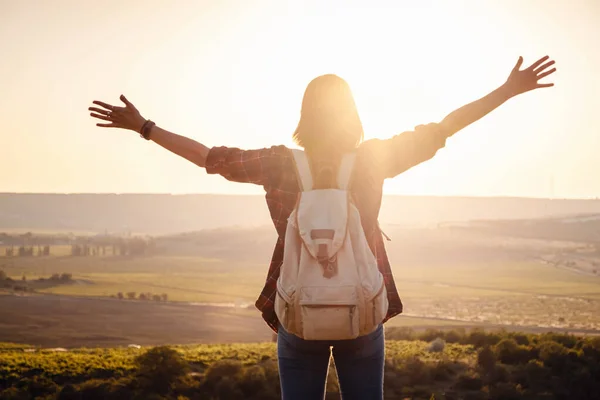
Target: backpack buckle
{"x":329,"y":264}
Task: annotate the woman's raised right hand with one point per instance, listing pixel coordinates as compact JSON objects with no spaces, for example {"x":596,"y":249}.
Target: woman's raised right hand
{"x":127,"y":117}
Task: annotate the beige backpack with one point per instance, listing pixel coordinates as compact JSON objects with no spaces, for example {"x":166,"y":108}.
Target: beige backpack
{"x":329,"y":286}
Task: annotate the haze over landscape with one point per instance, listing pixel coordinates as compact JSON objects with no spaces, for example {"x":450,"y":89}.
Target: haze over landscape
{"x":111,"y":247}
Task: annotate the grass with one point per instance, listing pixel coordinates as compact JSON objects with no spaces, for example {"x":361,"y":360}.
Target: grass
{"x":495,"y":278}
{"x":197,"y":279}
{"x":191,"y":279}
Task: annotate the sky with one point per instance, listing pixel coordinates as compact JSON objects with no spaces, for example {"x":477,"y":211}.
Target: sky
{"x":232,"y":73}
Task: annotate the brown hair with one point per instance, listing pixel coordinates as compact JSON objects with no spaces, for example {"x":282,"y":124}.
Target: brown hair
{"x":328,"y":118}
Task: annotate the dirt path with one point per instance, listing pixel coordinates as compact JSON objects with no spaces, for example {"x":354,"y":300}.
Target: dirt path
{"x":64,"y":321}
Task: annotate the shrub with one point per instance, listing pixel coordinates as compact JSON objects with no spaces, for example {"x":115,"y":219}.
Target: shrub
{"x":505,"y":391}
{"x":486,"y":359}
{"x":95,"y":389}
{"x":160,"y":368}
{"x":476,"y":396}
{"x":39,"y":387}
{"x":454,"y":336}
{"x":591,"y":348}
{"x":521,"y":338}
{"x":536,"y":376}
{"x":227,"y":388}
{"x":553,"y":355}
{"x":253,"y":381}
{"x":14,"y":393}
{"x":402,"y":333}
{"x":509,"y":352}
{"x":500,"y":374}
{"x":478,"y":338}
{"x":442,"y":371}
{"x":220,"y":370}
{"x":414,"y":371}
{"x":68,"y":392}
{"x":437,"y":345}
{"x":568,"y":341}
{"x":430,"y":335}
{"x":469,"y":382}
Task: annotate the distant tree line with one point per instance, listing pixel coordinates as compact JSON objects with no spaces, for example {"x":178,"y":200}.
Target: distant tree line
{"x":23,"y":285}
{"x":142,"y":296}
{"x":30,"y":251}
{"x":29,"y":239}
{"x":135,"y":246}
{"x":29,"y":245}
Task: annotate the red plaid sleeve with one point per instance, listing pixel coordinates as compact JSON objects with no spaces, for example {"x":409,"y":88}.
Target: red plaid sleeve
{"x":407,"y":149}
{"x":245,"y":166}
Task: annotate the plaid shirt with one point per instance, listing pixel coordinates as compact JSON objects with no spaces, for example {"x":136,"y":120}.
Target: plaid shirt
{"x":274,"y":169}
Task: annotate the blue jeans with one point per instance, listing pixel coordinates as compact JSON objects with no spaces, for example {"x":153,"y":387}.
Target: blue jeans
{"x":303,"y":366}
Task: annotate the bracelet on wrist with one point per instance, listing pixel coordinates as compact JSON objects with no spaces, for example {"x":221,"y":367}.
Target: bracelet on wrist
{"x":146,"y":128}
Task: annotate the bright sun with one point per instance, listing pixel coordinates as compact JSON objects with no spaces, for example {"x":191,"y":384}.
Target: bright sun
{"x":402,"y":73}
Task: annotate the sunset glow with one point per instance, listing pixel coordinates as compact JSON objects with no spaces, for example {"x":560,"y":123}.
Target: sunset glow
{"x":233,"y":73}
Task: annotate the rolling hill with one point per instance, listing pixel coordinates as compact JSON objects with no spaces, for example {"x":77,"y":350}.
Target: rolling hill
{"x":160,"y":214}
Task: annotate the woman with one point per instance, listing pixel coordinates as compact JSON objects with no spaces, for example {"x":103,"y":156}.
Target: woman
{"x":329,"y":127}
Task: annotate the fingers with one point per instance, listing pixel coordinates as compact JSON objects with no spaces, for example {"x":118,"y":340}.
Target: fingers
{"x":544,"y":66}
{"x":111,"y":125}
{"x":98,"y":110}
{"x":538,"y":62}
{"x":127,"y":102}
{"x":101,"y":116}
{"x":103,"y":104}
{"x":518,"y":64}
{"x":553,"y":70}
{"x":544,"y":85}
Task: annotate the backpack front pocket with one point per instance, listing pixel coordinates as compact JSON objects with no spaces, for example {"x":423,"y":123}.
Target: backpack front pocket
{"x":329,"y":313}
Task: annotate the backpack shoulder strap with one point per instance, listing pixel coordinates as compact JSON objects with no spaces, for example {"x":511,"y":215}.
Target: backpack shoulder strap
{"x":345,"y":172}
{"x":303,"y":172}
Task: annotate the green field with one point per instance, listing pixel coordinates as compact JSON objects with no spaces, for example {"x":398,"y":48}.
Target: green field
{"x":494,"y":278}
{"x":443,"y":277}
{"x":191,"y":279}
{"x":197,"y":279}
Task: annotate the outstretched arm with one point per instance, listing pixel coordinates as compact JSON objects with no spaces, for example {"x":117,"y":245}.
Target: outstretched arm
{"x":518,"y":82}
{"x":411,"y":148}
{"x":129,"y":117}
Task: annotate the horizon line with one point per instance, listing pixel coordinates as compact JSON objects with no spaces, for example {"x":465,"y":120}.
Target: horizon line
{"x":456,"y":196}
